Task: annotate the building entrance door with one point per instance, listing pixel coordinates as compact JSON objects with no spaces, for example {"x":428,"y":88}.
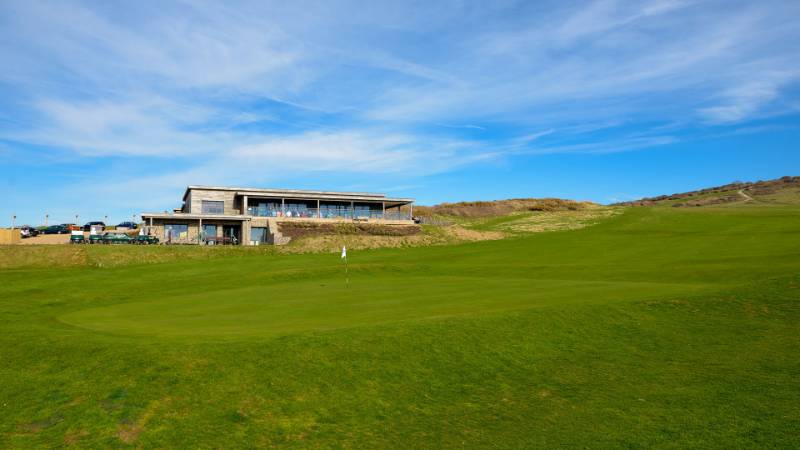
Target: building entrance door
{"x":233,"y":232}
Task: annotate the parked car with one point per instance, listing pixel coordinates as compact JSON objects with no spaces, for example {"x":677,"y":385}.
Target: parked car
{"x":56,"y":229}
{"x":72,"y":227}
{"x":88,"y":226}
{"x":144,"y":239}
{"x":27,"y":231}
{"x":95,"y":239}
{"x":77,"y":239}
{"x":128,"y":225}
{"x":116,"y":238}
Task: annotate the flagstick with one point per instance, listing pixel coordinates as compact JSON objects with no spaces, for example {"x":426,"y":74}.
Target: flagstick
{"x":346,"y":273}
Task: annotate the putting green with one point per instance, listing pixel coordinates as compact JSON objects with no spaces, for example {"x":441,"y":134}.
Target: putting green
{"x":302,"y":306}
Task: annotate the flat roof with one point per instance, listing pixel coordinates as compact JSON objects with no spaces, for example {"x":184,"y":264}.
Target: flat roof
{"x":293,"y":192}
{"x":332,"y":197}
{"x":179,"y":215}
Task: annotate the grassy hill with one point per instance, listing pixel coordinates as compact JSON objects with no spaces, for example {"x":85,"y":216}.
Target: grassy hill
{"x":647,"y":327}
{"x":500,"y":207}
{"x":785,"y":190}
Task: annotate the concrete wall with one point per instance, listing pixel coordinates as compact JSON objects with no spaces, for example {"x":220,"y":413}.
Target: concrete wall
{"x":9,"y":237}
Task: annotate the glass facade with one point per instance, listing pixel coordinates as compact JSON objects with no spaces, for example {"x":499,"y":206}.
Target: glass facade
{"x":261,"y":208}
{"x":332,"y":210}
{"x":327,"y":209}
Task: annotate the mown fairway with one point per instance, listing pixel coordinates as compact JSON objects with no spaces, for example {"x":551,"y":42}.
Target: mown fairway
{"x":659,"y":327}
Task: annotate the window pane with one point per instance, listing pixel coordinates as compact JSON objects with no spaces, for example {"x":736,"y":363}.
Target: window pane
{"x":258,"y":234}
{"x":213,"y":207}
{"x":173,"y":231}
{"x":209,"y":231}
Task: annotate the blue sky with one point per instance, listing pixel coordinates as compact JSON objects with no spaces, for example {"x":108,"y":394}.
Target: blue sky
{"x":112,"y":108}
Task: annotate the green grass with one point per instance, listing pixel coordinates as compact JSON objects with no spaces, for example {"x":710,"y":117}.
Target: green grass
{"x":658,"y":327}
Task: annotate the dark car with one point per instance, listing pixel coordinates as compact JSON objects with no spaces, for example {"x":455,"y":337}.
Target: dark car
{"x":144,"y":239}
{"x":27,"y":231}
{"x":56,"y":229}
{"x":116,"y":238}
{"x":88,"y":226}
{"x":128,"y":225}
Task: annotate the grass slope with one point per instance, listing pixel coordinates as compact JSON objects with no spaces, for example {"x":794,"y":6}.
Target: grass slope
{"x":656,"y":327}
{"x":779,"y":191}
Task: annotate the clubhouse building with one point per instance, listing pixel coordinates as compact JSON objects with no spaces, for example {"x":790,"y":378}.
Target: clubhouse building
{"x":250,"y":216}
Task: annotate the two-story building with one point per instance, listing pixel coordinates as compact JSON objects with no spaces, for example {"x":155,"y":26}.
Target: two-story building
{"x":250,"y":216}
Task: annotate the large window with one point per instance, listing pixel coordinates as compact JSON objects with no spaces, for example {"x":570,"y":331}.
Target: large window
{"x":335,"y":209}
{"x":369,"y":210}
{"x":209,"y":231}
{"x":258,"y":235}
{"x":263,"y":208}
{"x":213,"y":207}
{"x":176,"y":231}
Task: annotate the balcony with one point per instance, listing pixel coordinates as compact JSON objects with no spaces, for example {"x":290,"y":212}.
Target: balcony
{"x":327,"y":213}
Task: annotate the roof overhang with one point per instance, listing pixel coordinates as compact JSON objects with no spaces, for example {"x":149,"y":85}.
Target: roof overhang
{"x":287,"y":192}
{"x":180,"y":216}
{"x":305,"y":195}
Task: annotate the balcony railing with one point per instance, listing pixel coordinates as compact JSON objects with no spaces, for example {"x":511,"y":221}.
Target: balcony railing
{"x":328,"y":213}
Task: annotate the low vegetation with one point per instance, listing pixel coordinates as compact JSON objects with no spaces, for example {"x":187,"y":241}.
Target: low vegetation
{"x":300,"y":229}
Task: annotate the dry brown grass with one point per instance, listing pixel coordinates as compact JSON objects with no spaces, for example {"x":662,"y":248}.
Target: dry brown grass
{"x":722,"y":194}
{"x":433,"y":236}
{"x":299,"y":229}
{"x":500,"y":207}
{"x":558,"y":220}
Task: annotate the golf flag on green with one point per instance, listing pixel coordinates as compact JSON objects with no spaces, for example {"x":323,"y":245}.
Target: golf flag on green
{"x":344,"y":257}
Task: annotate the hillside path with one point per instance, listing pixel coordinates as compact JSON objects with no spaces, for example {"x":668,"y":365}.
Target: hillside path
{"x":747,"y":197}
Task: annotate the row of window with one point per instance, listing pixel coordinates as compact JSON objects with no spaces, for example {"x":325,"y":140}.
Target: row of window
{"x":268,"y":209}
{"x":175,"y":231}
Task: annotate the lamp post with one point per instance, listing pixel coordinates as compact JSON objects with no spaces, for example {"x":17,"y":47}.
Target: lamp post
{"x":46,"y":216}
{"x":13,"y":221}
{"x":76,"y":220}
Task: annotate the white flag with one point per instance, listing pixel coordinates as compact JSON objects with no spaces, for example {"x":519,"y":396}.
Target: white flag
{"x":344,"y":252}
